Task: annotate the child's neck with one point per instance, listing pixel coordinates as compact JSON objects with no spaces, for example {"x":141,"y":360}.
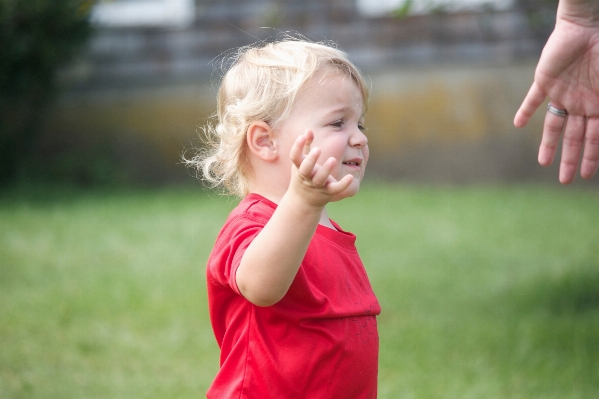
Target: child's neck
{"x":325,"y":221}
{"x":324,"y":216}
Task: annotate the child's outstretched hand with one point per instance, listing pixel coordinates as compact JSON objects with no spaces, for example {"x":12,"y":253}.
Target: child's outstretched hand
{"x":310,"y":180}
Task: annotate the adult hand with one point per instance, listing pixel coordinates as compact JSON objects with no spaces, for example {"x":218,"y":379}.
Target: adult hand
{"x":568,"y":73}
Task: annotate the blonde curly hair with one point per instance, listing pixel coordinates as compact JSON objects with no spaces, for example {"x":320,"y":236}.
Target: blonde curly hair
{"x":261,"y":84}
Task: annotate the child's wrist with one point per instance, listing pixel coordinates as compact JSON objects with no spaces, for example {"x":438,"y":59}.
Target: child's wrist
{"x":303,"y":203}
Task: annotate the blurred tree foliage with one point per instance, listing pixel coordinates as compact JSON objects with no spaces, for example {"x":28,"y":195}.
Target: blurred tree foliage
{"x":36,"y":38}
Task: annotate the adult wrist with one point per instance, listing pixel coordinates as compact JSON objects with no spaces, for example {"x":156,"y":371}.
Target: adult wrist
{"x":581,"y":12}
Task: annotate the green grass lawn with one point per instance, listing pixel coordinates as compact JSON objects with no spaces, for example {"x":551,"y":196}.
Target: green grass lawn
{"x":487,"y":292}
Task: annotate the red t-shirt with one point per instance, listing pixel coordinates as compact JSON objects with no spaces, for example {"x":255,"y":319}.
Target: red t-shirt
{"x":319,"y":341}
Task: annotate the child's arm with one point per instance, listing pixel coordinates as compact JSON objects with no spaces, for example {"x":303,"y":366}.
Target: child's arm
{"x":272,"y":260}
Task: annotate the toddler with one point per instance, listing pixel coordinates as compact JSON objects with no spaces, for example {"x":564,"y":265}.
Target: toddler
{"x":290,"y":303}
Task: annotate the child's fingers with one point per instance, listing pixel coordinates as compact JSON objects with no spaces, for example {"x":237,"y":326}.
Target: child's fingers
{"x":308,"y":166}
{"x":341,"y":185}
{"x":309,"y":135}
{"x":296,"y":154}
{"x":323,"y":174}
{"x":301,"y":147}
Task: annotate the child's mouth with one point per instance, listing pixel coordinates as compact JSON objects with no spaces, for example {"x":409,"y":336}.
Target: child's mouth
{"x":353,"y":163}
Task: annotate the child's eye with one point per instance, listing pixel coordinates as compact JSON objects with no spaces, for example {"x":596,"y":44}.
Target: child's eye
{"x":339,"y":124}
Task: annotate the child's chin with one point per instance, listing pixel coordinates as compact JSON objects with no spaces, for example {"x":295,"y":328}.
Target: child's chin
{"x":348,"y":192}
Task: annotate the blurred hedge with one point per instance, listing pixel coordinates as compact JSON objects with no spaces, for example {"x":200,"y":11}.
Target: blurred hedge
{"x":36,"y":38}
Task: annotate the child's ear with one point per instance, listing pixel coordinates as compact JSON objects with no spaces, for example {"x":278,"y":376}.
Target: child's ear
{"x":259,"y":141}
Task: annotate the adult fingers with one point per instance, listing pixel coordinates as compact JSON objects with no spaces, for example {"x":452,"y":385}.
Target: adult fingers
{"x":590,"y":158}
{"x":552,"y":130}
{"x":571,"y":148}
{"x":531,"y":103}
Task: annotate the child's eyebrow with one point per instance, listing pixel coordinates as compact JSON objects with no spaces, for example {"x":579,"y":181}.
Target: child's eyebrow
{"x":341,"y":110}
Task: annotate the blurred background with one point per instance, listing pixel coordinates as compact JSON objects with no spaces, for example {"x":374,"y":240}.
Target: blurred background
{"x":113,"y":91}
{"x":484,"y":265}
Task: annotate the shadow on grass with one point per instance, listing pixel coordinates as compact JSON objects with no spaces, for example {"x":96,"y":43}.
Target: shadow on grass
{"x":571,"y":291}
{"x":51,"y":194}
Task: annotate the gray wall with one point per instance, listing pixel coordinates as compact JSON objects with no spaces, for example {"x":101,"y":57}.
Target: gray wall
{"x":444,"y":89}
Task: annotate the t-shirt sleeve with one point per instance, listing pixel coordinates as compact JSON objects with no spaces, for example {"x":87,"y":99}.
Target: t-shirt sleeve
{"x":230,"y":246}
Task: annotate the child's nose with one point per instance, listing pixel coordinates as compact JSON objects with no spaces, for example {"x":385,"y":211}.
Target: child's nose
{"x":358,"y":139}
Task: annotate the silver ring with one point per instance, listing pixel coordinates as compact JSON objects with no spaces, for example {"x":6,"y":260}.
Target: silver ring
{"x":556,"y":111}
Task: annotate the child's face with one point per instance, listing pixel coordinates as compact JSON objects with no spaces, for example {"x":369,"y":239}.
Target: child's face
{"x":331,"y":106}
